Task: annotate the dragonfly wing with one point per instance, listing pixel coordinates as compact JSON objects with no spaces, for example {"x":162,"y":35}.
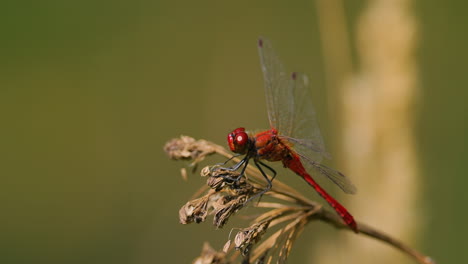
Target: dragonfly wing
{"x":335,"y":176}
{"x":307,"y":148}
{"x":290,"y":111}
{"x":289,"y":105}
{"x":305,"y":138}
{"x":304,"y":121}
{"x":276,"y":82}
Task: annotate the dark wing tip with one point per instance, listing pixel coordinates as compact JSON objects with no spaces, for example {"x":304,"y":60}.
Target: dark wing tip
{"x":260,"y":42}
{"x":294,"y":76}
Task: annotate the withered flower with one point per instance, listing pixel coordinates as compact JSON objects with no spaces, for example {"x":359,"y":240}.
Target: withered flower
{"x":251,"y":235}
{"x":220,"y":177}
{"x":187,"y":148}
{"x":195,"y":210}
{"x":227,"y":206}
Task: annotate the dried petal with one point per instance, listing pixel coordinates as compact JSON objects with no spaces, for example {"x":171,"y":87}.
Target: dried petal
{"x":240,"y":238}
{"x":216,"y":183}
{"x":206,"y":171}
{"x":194,"y":211}
{"x":226,"y":209}
{"x":251,"y":235}
{"x":226,"y":246}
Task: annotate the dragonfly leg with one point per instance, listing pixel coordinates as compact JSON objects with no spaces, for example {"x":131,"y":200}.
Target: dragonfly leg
{"x":224,"y":163}
{"x":244,"y":162}
{"x":270,"y":169}
{"x":239,"y":164}
{"x":247,"y":159}
{"x":269,"y":182}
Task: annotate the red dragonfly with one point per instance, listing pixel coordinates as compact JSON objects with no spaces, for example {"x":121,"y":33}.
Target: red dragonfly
{"x":294,"y":137}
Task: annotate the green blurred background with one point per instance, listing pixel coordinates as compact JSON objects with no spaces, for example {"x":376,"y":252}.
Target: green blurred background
{"x":90,"y":91}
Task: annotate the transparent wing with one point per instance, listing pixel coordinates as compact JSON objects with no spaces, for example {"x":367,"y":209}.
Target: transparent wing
{"x":335,"y":176}
{"x":276,"y":82}
{"x":307,"y":147}
{"x":289,"y":104}
{"x":304,"y":121}
{"x":290,"y":111}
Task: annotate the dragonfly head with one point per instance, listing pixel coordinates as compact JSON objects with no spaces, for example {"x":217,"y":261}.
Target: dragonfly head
{"x":238,"y":140}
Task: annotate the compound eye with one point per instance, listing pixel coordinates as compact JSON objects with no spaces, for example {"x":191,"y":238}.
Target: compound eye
{"x":237,"y":140}
{"x":241,"y":138}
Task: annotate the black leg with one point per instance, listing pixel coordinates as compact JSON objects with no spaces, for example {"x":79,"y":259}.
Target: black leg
{"x":258,"y":163}
{"x":270,"y":169}
{"x":244,"y":162}
{"x":269,"y":182}
{"x":245,"y":166}
{"x":224,"y":163}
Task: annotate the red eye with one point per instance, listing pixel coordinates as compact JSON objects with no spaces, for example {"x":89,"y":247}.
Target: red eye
{"x":237,"y":140}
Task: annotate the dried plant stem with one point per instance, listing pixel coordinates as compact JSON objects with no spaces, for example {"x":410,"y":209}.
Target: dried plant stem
{"x":379,"y":235}
{"x":376,"y":117}
{"x":229,"y":191}
{"x":371,"y":232}
{"x":269,"y":243}
{"x":316,"y":211}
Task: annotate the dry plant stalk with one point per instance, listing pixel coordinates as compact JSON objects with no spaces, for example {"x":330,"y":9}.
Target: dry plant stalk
{"x":376,"y":115}
{"x":227,"y":192}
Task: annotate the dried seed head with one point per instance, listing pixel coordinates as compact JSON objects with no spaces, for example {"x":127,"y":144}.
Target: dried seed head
{"x":218,"y":171}
{"x":210,"y":256}
{"x":242,"y":187}
{"x":227,"y":206}
{"x":194,"y":211}
{"x":221,"y":177}
{"x":187,"y":148}
{"x":247,"y":237}
{"x":216,"y":183}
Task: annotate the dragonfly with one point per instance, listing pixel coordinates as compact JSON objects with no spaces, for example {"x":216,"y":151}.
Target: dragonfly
{"x":294,"y":137}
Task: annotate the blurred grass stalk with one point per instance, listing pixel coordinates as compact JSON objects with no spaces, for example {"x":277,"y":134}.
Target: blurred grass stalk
{"x":376,"y":122}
